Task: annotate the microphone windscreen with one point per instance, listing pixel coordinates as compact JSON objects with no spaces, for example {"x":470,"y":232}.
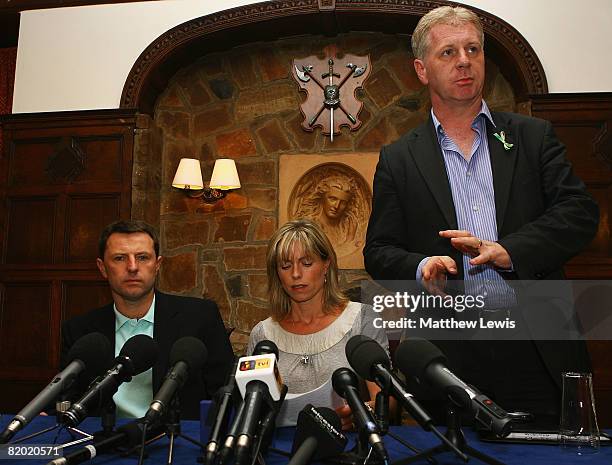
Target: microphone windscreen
{"x":343,"y":378}
{"x":321,"y":423}
{"x":266,"y":347}
{"x":190,"y":350}
{"x":363,"y":353}
{"x":95,"y":351}
{"x":414,"y":355}
{"x":142,"y":351}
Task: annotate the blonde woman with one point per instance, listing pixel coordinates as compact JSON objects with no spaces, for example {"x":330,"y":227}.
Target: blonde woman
{"x":311,"y":319}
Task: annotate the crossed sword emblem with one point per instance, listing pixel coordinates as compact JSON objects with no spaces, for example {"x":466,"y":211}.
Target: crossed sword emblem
{"x":331,"y":91}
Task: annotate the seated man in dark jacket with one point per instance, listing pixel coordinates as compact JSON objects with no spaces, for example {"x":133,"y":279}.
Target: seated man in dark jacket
{"x":129,"y":259}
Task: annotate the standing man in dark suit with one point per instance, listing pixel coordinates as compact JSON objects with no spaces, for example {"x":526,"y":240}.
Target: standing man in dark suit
{"x":129,"y":259}
{"x":482,"y":197}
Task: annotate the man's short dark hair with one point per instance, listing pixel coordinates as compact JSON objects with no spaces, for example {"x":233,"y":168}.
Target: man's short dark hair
{"x":127,"y":227}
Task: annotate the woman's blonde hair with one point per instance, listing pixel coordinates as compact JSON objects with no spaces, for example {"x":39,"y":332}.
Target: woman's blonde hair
{"x":314,"y":243}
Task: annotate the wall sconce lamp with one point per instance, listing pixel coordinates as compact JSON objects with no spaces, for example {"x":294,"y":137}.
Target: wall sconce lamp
{"x":224,"y":177}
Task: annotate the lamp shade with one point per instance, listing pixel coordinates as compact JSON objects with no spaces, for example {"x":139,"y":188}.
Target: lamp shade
{"x":188,"y":175}
{"x":224,"y":175}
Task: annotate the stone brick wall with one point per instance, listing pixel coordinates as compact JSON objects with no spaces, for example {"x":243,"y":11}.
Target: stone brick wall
{"x":243,"y":104}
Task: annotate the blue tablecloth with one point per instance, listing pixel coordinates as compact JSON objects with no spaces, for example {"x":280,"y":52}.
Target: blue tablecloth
{"x":186,"y":453}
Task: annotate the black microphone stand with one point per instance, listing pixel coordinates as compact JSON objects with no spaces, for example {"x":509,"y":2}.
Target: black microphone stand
{"x":359,"y":455}
{"x":107,"y":418}
{"x":172,"y":427}
{"x":455,"y":436}
{"x":60,"y":407}
{"x":362,"y":452}
{"x":381,"y":415}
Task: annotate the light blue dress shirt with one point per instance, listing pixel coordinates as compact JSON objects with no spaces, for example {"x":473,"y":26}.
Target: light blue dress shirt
{"x":471,"y":182}
{"x":133,"y":398}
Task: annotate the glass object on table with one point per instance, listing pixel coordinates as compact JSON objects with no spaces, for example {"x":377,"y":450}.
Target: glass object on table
{"x":578,"y":430}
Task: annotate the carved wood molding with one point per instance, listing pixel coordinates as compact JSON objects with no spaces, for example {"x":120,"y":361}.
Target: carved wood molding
{"x":52,"y":119}
{"x":583,"y":103}
{"x":327,"y":5}
{"x":281,"y":18}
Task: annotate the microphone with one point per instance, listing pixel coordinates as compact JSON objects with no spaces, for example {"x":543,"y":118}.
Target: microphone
{"x":128,"y":435}
{"x":89,"y":355}
{"x":187,"y":357}
{"x":223,"y":403}
{"x":345,"y":383}
{"x":381,"y":411}
{"x":318,"y":435}
{"x":137,"y":355}
{"x":260,"y":366}
{"x":264,"y":347}
{"x":228,"y":446}
{"x":371,"y":362}
{"x":260,"y":384}
{"x":423,"y":360}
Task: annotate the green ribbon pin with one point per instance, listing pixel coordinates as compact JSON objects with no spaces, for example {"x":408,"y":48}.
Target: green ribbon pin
{"x":502,"y":138}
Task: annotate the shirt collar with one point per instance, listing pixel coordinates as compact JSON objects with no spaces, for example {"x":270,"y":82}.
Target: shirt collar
{"x":121,"y":319}
{"x":484,"y":111}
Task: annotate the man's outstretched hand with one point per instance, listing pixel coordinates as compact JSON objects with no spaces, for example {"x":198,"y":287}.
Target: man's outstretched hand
{"x":433,"y":273}
{"x":482,"y":252}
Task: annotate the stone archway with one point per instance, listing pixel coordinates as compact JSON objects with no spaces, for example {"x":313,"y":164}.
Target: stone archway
{"x":283,"y":18}
{"x":220,"y":86}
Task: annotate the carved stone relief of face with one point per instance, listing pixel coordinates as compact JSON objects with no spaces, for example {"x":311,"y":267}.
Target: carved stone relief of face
{"x":335,"y":202}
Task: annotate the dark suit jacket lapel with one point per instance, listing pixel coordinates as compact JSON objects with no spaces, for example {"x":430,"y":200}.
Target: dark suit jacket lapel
{"x":502,"y":165}
{"x":164,"y":333}
{"x":428,"y":158}
{"x":104,"y":322}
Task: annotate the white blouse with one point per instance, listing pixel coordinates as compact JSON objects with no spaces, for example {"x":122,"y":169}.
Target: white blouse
{"x":307,"y":361}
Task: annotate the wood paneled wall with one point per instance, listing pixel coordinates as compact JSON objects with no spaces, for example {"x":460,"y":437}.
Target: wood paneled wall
{"x":584,"y":123}
{"x":8,"y":61}
{"x":63,"y":177}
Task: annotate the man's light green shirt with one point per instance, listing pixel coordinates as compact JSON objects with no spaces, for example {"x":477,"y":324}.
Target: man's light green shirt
{"x":133,"y":398}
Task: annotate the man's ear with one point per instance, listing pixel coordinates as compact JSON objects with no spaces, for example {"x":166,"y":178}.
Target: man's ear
{"x":101,"y":267}
{"x":421,"y":71}
{"x":158,"y":263}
